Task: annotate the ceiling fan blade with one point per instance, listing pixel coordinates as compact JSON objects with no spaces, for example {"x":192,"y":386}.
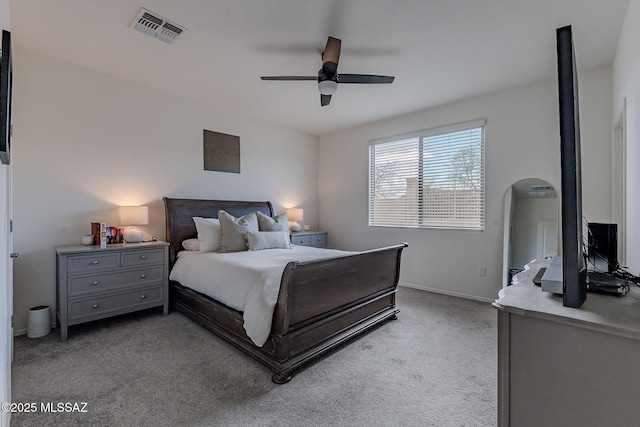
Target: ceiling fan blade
{"x":325,"y":100}
{"x":330,"y":56}
{"x":289,"y":78}
{"x":364,"y":78}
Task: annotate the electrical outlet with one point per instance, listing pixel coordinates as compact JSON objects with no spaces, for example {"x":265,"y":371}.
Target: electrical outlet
{"x":482,"y":270}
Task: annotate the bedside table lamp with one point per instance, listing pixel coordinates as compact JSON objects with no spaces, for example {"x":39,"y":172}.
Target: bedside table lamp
{"x":294,"y":215}
{"x":132,"y":216}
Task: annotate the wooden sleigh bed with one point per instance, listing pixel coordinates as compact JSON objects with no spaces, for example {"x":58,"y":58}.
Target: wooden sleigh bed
{"x":321,"y":304}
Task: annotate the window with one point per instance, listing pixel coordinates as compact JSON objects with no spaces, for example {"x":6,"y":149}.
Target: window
{"x":429,"y":179}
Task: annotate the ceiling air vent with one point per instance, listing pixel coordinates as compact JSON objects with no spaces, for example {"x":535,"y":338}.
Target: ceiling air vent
{"x":544,"y":187}
{"x":156,"y":26}
{"x":537,"y":194}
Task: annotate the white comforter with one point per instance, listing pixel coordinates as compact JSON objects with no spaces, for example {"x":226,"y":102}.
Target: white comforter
{"x":247,"y":281}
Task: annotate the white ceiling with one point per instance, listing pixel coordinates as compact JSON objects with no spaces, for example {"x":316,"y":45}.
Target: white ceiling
{"x":438,"y":50}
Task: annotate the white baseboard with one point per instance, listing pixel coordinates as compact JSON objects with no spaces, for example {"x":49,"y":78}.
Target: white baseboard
{"x":444,"y":292}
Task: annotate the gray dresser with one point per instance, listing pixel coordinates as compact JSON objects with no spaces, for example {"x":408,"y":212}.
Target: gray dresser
{"x":317,"y":239}
{"x":559,"y":366}
{"x":94,"y":282}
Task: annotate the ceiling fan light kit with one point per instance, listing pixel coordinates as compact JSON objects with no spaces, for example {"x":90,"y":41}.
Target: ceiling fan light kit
{"x":328,"y":87}
{"x":328,"y":77}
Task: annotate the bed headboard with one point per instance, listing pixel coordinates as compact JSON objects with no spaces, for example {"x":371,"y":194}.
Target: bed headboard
{"x":179,"y":213}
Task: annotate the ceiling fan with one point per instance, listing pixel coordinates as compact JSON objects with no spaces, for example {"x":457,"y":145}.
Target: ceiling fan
{"x":328,"y":77}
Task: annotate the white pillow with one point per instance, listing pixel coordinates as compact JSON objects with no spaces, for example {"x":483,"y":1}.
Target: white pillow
{"x":191,"y":244}
{"x":258,"y":240}
{"x":208,"y":233}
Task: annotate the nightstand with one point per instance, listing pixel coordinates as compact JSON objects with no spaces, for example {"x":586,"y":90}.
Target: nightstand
{"x":94,"y":283}
{"x":316,"y":239}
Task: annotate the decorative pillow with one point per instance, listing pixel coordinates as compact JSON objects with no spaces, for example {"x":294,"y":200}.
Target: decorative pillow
{"x":258,"y":240}
{"x":191,"y":244}
{"x":277,"y":223}
{"x":208,"y":233}
{"x":233,"y":229}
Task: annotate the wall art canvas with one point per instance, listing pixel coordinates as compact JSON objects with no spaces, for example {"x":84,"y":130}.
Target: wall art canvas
{"x":221,"y":152}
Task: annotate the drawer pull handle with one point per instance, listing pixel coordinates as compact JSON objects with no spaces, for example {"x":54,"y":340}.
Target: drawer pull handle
{"x":95,"y":282}
{"x":143,"y":257}
{"x":143,"y":275}
{"x":95,"y":261}
{"x":143,"y":296}
{"x":96,"y":305}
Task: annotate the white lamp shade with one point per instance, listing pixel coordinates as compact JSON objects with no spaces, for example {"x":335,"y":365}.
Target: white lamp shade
{"x":134,"y":215}
{"x":295,"y":214}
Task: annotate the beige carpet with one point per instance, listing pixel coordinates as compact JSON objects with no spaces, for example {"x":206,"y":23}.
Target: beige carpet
{"x":434,"y":366}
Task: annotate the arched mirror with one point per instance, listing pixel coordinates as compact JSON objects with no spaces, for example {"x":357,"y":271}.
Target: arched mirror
{"x":530,"y":225}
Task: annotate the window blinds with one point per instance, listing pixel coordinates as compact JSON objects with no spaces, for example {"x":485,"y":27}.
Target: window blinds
{"x":431,"y":179}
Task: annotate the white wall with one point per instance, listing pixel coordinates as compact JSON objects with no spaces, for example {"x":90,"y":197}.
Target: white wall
{"x":86,"y":142}
{"x":522,"y":141}
{"x":626,"y":84}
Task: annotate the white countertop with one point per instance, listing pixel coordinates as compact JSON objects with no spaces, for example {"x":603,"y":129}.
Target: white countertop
{"x":604,"y":313}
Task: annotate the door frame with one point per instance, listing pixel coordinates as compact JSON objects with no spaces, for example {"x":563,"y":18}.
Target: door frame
{"x":619,"y":180}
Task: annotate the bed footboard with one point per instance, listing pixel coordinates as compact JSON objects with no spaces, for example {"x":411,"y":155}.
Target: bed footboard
{"x":323,"y":303}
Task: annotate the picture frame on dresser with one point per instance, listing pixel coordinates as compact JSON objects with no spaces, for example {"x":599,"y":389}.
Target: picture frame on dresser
{"x":96,"y":282}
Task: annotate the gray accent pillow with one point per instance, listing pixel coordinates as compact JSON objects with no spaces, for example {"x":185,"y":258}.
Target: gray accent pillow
{"x":258,"y":240}
{"x":232,"y":231}
{"x":276,"y":223}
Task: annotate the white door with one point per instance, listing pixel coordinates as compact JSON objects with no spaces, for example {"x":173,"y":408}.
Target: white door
{"x":547,"y":240}
{"x":6,"y":291}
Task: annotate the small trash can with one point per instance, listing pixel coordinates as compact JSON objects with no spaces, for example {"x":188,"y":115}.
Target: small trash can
{"x":39,"y":321}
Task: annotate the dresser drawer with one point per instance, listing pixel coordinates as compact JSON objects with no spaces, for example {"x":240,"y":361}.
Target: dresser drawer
{"x":301,"y":240}
{"x":108,"y":281}
{"x":319,"y":241}
{"x":96,"y":262}
{"x":149,"y":256}
{"x":121,"y":302}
